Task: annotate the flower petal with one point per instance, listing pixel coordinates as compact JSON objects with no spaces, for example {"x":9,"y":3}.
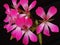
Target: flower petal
{"x":28,"y":22}
{"x":40,"y":12}
{"x":39,"y":28}
{"x":17,"y":34}
{"x":24,"y":4}
{"x":23,"y":31}
{"x":22,"y":15}
{"x":20,"y":21}
{"x":53,"y":27}
{"x":14,"y":2}
{"x":32,"y":5}
{"x":18,"y":4}
{"x":52,"y":11}
{"x":32,"y":36}
{"x":25,"y":39}
{"x":46,"y":30}
{"x":9,"y":27}
{"x":13,"y":13}
{"x":7,"y":19}
{"x":6,"y":6}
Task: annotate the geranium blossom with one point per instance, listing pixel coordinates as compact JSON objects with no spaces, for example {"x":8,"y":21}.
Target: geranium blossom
{"x":25,"y":24}
{"x":24,"y":4}
{"x":18,"y":24}
{"x":45,"y":25}
{"x":11,"y":14}
{"x":20,"y":28}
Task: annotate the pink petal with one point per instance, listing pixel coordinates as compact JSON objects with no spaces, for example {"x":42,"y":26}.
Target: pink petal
{"x":6,"y":6}
{"x":40,"y":12}
{"x":52,"y":11}
{"x":24,"y":4}
{"x":22,"y":15}
{"x":32,"y":36}
{"x":8,"y":13}
{"x":20,"y":21}
{"x":25,"y":39}
{"x":18,"y":4}
{"x":9,"y":27}
{"x":32,"y":5}
{"x":39,"y":28}
{"x":23,"y":31}
{"x":17,"y":34}
{"x":46,"y":30}
{"x":14,"y":2}
{"x":53,"y":27}
{"x":7,"y":19}
{"x":28,"y":22}
{"x":13,"y":13}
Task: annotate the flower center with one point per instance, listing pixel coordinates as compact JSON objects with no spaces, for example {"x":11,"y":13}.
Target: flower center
{"x":46,"y":19}
{"x":24,"y":28}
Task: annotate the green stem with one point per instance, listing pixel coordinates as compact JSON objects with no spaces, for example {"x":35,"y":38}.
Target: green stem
{"x":40,"y":38}
{"x":11,"y":38}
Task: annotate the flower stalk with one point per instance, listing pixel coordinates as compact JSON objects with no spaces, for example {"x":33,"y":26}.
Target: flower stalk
{"x":40,"y":38}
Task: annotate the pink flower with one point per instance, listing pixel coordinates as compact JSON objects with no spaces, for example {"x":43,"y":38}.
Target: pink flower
{"x":12,"y":14}
{"x":24,"y":4}
{"x":18,"y":23}
{"x":20,"y":28}
{"x":45,"y":25}
{"x":24,"y":25}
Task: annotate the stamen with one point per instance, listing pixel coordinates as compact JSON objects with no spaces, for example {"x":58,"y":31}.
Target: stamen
{"x":45,"y":20}
{"x":51,"y":20}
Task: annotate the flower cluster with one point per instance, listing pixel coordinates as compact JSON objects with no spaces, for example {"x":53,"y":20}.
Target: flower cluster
{"x":19,"y":22}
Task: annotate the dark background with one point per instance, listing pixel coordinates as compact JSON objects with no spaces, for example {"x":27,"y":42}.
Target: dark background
{"x":54,"y":39}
